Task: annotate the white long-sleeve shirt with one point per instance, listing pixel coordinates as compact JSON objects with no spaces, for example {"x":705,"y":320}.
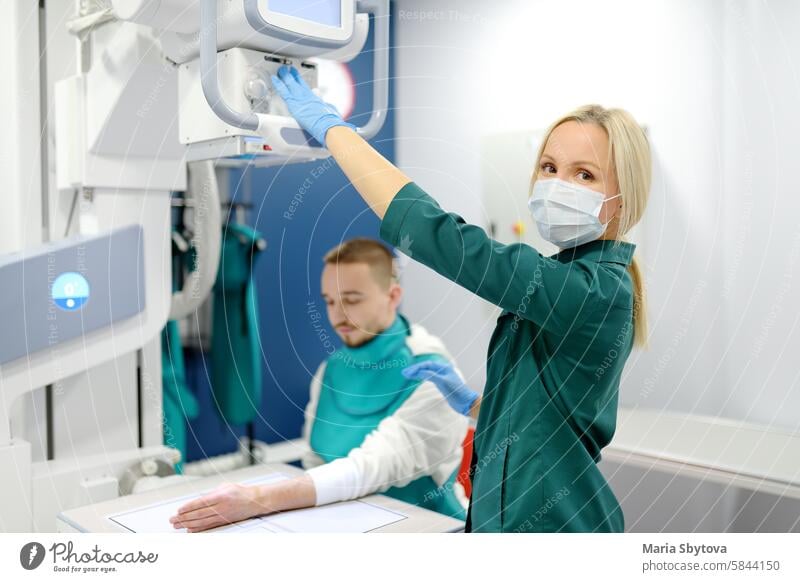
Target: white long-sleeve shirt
{"x":423,"y":437}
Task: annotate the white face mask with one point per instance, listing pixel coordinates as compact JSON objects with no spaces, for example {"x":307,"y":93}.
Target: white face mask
{"x":566,"y":214}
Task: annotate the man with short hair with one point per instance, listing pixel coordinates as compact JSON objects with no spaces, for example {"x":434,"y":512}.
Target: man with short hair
{"x":369,"y":428}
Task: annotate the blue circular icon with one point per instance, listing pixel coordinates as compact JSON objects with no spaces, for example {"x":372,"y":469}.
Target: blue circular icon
{"x":70,"y":291}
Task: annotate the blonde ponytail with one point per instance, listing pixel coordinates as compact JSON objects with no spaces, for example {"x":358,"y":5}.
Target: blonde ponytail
{"x":639,"y":305}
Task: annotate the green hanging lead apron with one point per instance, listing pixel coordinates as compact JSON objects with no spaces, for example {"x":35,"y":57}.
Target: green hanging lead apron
{"x":178,"y":402}
{"x":236,"y":354}
{"x":362,"y":386}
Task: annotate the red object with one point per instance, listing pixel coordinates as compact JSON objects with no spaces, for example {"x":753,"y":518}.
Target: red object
{"x":463,"y":472}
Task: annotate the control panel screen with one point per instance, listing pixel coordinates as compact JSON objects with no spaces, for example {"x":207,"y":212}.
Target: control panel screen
{"x":326,"y":12}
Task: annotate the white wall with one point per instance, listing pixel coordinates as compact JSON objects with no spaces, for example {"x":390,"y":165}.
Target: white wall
{"x":716,"y":85}
{"x":761,"y":213}
{"x":438,"y":135}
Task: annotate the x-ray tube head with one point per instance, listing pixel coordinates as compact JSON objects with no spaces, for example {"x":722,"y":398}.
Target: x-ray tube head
{"x":291,"y":28}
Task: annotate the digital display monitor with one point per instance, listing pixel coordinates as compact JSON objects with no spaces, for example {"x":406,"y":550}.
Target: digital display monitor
{"x":325,"y":12}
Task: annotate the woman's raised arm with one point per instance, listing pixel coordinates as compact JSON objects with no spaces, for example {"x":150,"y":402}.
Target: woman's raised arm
{"x":375,"y":178}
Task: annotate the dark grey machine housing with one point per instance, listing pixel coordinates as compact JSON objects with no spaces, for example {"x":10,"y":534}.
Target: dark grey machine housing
{"x":30,"y":320}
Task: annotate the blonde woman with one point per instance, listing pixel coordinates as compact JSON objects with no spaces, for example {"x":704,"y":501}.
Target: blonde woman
{"x":569,"y":321}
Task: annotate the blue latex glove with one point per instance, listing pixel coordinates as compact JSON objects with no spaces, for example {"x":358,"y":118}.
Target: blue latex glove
{"x":459,"y":396}
{"x":311,"y":112}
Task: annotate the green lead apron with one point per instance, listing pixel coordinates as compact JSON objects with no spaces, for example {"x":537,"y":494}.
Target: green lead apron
{"x":178,"y":402}
{"x":236,"y":355}
{"x":362,"y":386}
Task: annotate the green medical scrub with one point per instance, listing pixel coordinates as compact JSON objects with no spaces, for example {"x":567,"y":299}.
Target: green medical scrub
{"x":554,"y":363}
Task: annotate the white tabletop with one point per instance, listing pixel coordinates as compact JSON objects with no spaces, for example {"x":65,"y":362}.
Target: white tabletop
{"x":94,"y":518}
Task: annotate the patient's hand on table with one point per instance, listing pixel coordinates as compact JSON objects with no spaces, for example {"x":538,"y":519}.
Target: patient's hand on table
{"x":226,"y":504}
